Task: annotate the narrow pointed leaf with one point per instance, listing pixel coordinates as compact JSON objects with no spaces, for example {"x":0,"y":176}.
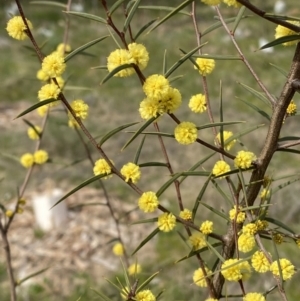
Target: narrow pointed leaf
{"x":112,"y":34}
{"x":145,"y":27}
{"x":50,"y":3}
{"x":155,"y":134}
{"x":19,"y":282}
{"x":147,"y":164}
{"x":86,"y":16}
{"x":175,"y":78}
{"x":281,"y":40}
{"x":182,"y":60}
{"x":219,"y":57}
{"x":131,"y":14}
{"x":37,"y":105}
{"x":115,"y":71}
{"x":138,"y":132}
{"x":214,"y":210}
{"x":32,"y":126}
{"x":84,"y":47}
{"x":115,"y":131}
{"x":238,"y":18}
{"x":149,"y":237}
{"x":85,"y":183}
{"x":195,"y":173}
{"x":164,"y":8}
{"x":127,"y":281}
{"x":256,"y":94}
{"x":282,"y":71}
{"x":255,"y":108}
{"x":103,"y":67}
{"x":218,"y":255}
{"x":167,"y":184}
{"x":285,"y":184}
{"x":285,"y":177}
{"x":77,"y":88}
{"x":278,"y":261}
{"x":289,"y":150}
{"x":165,"y":62}
{"x":145,"y":221}
{"x":138,"y":151}
{"x":105,"y":298}
{"x":172,"y":13}
{"x":288,"y":138}
{"x":279,"y":224}
{"x":210,"y":125}
{"x":114,"y":7}
{"x":147,"y":281}
{"x":222,"y":193}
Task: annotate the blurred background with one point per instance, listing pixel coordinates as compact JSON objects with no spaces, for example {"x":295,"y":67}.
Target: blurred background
{"x":78,"y":252}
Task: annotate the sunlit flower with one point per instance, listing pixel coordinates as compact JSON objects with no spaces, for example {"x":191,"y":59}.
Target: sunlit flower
{"x":34,"y":133}
{"x":254,"y":297}
{"x":148,"y":202}
{"x":260,"y":262}
{"x":211,"y":2}
{"x":16,"y":28}
{"x":205,"y":66}
{"x":166,"y":222}
{"x":236,"y":269}
{"x":80,"y":108}
{"x":244,"y":159}
{"x":233,"y":3}
{"x":197,"y":240}
{"x":145,"y":295}
{"x":118,"y":58}
{"x":118,"y":249}
{"x":287,"y":268}
{"x":220,"y":168}
{"x":170,"y":102}
{"x":186,"y":214}
{"x":149,"y":108}
{"x":49,"y":91}
{"x":40,"y":157}
{"x":246,"y":243}
{"x":63,"y":48}
{"x":131,"y":172}
{"x":207,"y":227}
{"x":250,"y":229}
{"x":226,"y":136}
{"x":199,"y":277}
{"x":53,"y":65}
{"x":156,"y":87}
{"x":102,"y":167}
{"x":27,"y":160}
{"x":282,"y":31}
{"x":43,"y":110}
{"x":198,"y":103}
{"x":292,"y":108}
{"x":134,"y":269}
{"x":186,"y":133}
{"x":140,"y":54}
{"x":240,"y":217}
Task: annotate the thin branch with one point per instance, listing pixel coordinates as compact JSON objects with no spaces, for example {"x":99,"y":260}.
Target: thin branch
{"x":287,"y":145}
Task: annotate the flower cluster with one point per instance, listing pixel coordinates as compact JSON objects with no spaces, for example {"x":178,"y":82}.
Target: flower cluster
{"x":233,"y":3}
{"x":244,"y":159}
{"x":53,"y":65}
{"x":205,"y":66}
{"x":102,"y":167}
{"x":250,"y":229}
{"x":160,"y":97}
{"x":80,"y":109}
{"x":287,"y":268}
{"x":240,"y":217}
{"x":246,"y":243}
{"x":197,"y":103}
{"x":226,"y":136}
{"x":16,"y":28}
{"x":207,"y":227}
{"x":186,"y":214}
{"x":254,"y":297}
{"x":277,"y":238}
{"x":136,"y":54}
{"x":118,"y":249}
{"x":220,"y":168}
{"x":199,"y":277}
{"x":166,"y":222}
{"x":148,"y":202}
{"x":197,"y":240}
{"x":282,"y":31}
{"x":131,"y":172}
{"x":134,"y":269}
{"x":265,"y":193}
{"x":49,"y":91}
{"x":38,"y":157}
{"x":186,"y":133}
{"x":236,"y":269}
{"x":34,"y":132}
{"x":260,"y":262}
{"x":292,"y":108}
{"x":145,"y":295}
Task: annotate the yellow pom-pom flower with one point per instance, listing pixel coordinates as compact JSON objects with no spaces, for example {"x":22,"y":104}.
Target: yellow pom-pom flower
{"x":16,"y":28}
{"x":34,"y":133}
{"x":140,"y":55}
{"x":205,"y":66}
{"x":166,"y":222}
{"x":102,"y":167}
{"x":246,"y":243}
{"x":207,"y":227}
{"x":277,"y":238}
{"x":149,"y":108}
{"x":134,"y":269}
{"x":197,"y":240}
{"x":244,"y":159}
{"x":49,"y":91}
{"x":262,"y":225}
{"x":292,"y":108}
{"x":80,"y":108}
{"x":41,"y":75}
{"x":260,"y":262}
{"x":282,"y":31}
{"x":27,"y":160}
{"x":118,"y":249}
{"x":145,"y":295}
{"x":197,"y":103}
{"x":148,"y":202}
{"x":199,"y":278}
{"x":240,"y":217}
{"x":211,"y":2}
{"x":226,"y":136}
{"x":233,"y":3}
{"x":131,"y":172}
{"x":186,"y":214}
{"x":250,"y":229}
{"x":40,"y":157}
{"x":236,"y":269}
{"x":63,"y":48}
{"x":254,"y":297}
{"x":42,"y":110}
{"x":287,"y":268}
{"x":220,"y":168}
{"x":186,"y":133}
{"x":156,"y":87}
{"x":170,"y":102}
{"x":9,"y":213}
{"x":118,"y":58}
{"x":54,"y":65}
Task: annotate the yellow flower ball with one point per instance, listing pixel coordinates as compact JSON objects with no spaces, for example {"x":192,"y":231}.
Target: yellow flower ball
{"x":287,"y":268}
{"x":148,"y":202}
{"x":149,"y":108}
{"x":16,"y":28}
{"x":9,"y":213}
{"x":199,"y":278}
{"x":41,"y":75}
{"x":250,"y":229}
{"x":235,"y":269}
{"x":240,"y":217}
{"x":54,"y":65}
{"x":63,"y":48}
{"x":282,"y":31}
{"x":140,"y":55}
{"x":220,"y":168}
{"x":34,"y":133}
{"x":145,"y":295}
{"x":207,"y":227}
{"x":166,"y":222}
{"x":186,"y":214}
{"x":27,"y":160}
{"x":118,"y":58}
{"x":170,"y":102}
{"x":40,"y":157}
{"x":43,"y":110}
{"x":80,"y":108}
{"x":134,"y":269}
{"x":233,"y":3}
{"x":186,"y":133}
{"x":226,"y":136}
{"x":205,"y":66}
{"x":244,"y":159}
{"x":156,"y":87}
{"x":48,"y":91}
{"x":131,"y":172}
{"x":254,"y":297}
{"x":292,"y":108}
{"x":102,"y":167}
{"x":260,"y":262}
{"x":265,"y":193}
{"x":197,"y":103}
{"x":197,"y":240}
{"x":246,"y":243}
{"x":118,"y":249}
